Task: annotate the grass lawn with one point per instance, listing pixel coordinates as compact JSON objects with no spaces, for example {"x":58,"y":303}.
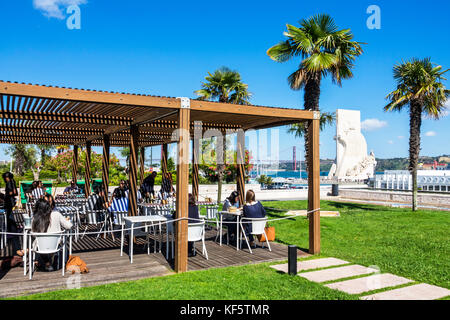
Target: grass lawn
{"x":413,"y":245}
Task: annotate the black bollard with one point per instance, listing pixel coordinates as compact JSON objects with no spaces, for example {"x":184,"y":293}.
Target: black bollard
{"x":292,"y":260}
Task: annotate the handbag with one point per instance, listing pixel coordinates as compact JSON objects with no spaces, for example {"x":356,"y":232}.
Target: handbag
{"x":270,"y":232}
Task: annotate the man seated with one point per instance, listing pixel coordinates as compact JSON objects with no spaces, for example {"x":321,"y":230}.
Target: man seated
{"x":73,"y":188}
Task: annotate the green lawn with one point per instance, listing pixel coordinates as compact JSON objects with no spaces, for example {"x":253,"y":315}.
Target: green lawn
{"x":413,"y":245}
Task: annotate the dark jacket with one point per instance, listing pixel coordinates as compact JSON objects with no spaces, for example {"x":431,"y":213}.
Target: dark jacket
{"x":254,"y":211}
{"x":193,"y":214}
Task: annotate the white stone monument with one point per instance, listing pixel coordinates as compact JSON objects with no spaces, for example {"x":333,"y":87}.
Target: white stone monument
{"x":352,"y":161}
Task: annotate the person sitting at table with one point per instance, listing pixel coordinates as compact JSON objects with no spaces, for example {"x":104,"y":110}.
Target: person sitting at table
{"x":96,"y":201}
{"x":148,"y":185}
{"x":49,"y":198}
{"x":73,"y":188}
{"x":193,"y":217}
{"x":167,"y":185}
{"x":119,"y":202}
{"x":47,"y":220}
{"x":119,"y":192}
{"x":231,"y":201}
{"x":38,"y":190}
{"x":252,"y":209}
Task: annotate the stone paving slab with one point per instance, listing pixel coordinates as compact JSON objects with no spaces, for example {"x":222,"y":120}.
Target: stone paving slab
{"x":420,"y":291}
{"x":336,"y":273}
{"x":373,"y":282}
{"x":311,"y":264}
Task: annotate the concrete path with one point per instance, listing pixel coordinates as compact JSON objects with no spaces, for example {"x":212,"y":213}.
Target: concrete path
{"x":337,"y":273}
{"x":311,"y":264}
{"x":420,"y":291}
{"x":370,"y":283}
{"x":370,"y":280}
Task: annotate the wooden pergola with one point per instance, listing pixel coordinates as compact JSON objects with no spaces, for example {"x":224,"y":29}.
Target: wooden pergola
{"x":35,"y":114}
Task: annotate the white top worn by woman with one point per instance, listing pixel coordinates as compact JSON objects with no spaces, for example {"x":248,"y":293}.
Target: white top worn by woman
{"x":57,"y":220}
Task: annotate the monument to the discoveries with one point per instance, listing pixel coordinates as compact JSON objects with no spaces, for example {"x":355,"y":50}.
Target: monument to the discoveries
{"x":352,"y":161}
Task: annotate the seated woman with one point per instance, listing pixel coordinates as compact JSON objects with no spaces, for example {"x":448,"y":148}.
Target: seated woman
{"x":231,"y":201}
{"x":47,"y":220}
{"x":252,"y":209}
{"x":193,"y":218}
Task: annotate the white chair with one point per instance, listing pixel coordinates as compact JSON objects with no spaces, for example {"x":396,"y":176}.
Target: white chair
{"x":212,"y":213}
{"x":47,"y":243}
{"x":196,"y":232}
{"x":258,"y":228}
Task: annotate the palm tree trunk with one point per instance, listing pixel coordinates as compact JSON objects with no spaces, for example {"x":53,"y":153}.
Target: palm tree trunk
{"x":415,"y":122}
{"x":311,"y":102}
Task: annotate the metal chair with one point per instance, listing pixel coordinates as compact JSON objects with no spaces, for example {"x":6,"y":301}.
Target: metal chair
{"x":93,"y":217}
{"x":47,"y":243}
{"x":196,"y":232}
{"x":258,"y":228}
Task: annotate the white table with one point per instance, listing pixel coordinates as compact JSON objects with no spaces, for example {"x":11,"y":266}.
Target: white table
{"x":152,"y":220}
{"x":239,"y":228}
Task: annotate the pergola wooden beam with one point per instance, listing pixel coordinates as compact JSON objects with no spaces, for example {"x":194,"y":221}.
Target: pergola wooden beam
{"x":105,"y":165}
{"x":182,"y":192}
{"x":49,"y":92}
{"x":87,"y":170}
{"x":314,"y":185}
{"x":132,"y":175}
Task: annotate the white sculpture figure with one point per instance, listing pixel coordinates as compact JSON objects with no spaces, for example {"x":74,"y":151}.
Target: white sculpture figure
{"x":352,"y":161}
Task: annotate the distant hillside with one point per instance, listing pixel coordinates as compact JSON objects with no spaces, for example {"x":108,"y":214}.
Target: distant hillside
{"x":402,"y":163}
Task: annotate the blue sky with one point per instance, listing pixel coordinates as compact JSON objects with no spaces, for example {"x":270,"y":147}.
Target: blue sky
{"x":166,"y":48}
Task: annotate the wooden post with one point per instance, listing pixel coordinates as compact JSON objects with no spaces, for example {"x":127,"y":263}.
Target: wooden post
{"x":182,"y":190}
{"x":195,"y":160}
{"x":164,"y":159}
{"x":105,"y":164}
{"x":240,"y":179}
{"x":132,"y":193}
{"x":314,"y":185}
{"x":87,"y":170}
{"x":142,"y":164}
{"x":220,"y":161}
{"x":75,"y":164}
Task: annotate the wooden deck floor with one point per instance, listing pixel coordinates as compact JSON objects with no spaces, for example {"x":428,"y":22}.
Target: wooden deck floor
{"x":107,"y":266}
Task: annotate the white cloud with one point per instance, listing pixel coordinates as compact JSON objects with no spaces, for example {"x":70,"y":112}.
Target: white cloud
{"x":430,"y":133}
{"x":390,"y":142}
{"x":401,"y":137}
{"x":55,"y":8}
{"x":373,"y":124}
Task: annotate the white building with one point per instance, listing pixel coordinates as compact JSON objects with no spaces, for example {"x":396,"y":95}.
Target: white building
{"x":427,"y":180}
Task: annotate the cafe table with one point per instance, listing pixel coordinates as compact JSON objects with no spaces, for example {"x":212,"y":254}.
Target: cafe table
{"x":239,"y":227}
{"x":145,"y":220}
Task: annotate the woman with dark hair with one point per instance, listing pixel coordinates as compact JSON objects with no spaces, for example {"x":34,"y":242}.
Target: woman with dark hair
{"x":47,"y":220}
{"x":252,"y":209}
{"x":9,"y":203}
{"x":231,"y":201}
{"x":193,"y":218}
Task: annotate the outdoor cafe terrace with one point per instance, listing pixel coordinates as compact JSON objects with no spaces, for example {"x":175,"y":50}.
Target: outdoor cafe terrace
{"x":34,"y":114}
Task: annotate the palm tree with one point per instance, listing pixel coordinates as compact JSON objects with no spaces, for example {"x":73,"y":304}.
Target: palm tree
{"x":226,"y":86}
{"x":323,"y":50}
{"x":420,"y":87}
{"x":299,"y":129}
